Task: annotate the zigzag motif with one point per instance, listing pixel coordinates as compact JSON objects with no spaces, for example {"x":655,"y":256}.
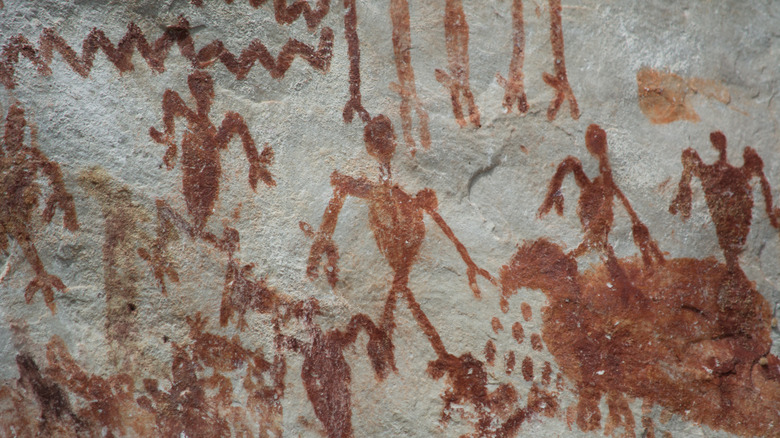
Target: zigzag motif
{"x":285,"y":14}
{"x":155,"y":53}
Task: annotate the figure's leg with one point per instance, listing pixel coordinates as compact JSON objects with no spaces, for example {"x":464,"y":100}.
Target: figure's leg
{"x":588,"y":412}
{"x":425,"y":324}
{"x":473,"y":109}
{"x":43,"y":281}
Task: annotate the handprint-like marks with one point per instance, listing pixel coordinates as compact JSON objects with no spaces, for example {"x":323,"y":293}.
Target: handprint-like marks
{"x":20,"y":165}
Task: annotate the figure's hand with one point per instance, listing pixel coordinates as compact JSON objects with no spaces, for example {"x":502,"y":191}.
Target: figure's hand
{"x":64,"y":201}
{"x":472,"y":272}
{"x":160,"y":265}
{"x":682,"y":202}
{"x":324,"y":245}
{"x":46,"y":283}
{"x":165,"y":139}
{"x":553,"y":199}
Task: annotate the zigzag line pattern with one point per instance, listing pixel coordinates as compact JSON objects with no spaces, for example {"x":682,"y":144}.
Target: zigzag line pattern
{"x":156,"y":52}
{"x":285,"y":14}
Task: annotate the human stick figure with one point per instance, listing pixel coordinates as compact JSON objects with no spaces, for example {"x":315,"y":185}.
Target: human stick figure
{"x":19,"y":168}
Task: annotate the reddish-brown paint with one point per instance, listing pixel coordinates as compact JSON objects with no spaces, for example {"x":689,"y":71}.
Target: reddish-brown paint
{"x":456,"y":34}
{"x":19,"y":196}
{"x":684,"y":348}
{"x":517,"y":332}
{"x":156,"y":52}
{"x":490,"y":352}
{"x":514,"y":93}
{"x":536,"y":342}
{"x":397,"y":221}
{"x":201,"y":145}
{"x":355,"y":102}
{"x":495,"y":323}
{"x":406,"y":88}
{"x":509,"y":362}
{"x":525,"y":309}
{"x":595,"y":209}
{"x":728,"y":193}
{"x":122,"y":235}
{"x":546,"y":373}
{"x":528,"y":369}
{"x":559,"y":81}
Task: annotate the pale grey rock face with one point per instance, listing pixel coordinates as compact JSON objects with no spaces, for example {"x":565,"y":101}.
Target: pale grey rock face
{"x":207,"y":231}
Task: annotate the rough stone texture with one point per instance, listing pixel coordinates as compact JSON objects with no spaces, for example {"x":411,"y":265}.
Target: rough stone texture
{"x":205,"y":231}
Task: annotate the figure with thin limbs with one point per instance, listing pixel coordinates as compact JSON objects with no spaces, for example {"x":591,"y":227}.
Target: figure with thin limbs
{"x":595,"y":206}
{"x":728,"y":193}
{"x":396,"y":219}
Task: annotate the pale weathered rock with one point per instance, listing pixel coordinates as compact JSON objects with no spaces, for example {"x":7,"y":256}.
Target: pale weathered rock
{"x":250,"y":217}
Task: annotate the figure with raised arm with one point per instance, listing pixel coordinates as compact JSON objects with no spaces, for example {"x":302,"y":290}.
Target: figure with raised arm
{"x":728,"y":193}
{"x":200,"y":163}
{"x":595,"y":205}
{"x":396,"y":219}
{"x":19,"y":168}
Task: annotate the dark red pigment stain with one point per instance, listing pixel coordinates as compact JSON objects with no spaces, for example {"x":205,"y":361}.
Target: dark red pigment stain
{"x":509,"y":362}
{"x":559,"y":81}
{"x":20,"y":166}
{"x":517,"y":332}
{"x":355,"y":102}
{"x":156,"y":52}
{"x":496,"y":324}
{"x":288,"y":13}
{"x":728,"y":193}
{"x":514,"y":94}
{"x":456,"y":34}
{"x":402,"y":52}
{"x":528,"y":369}
{"x":56,"y":413}
{"x":681,"y":349}
{"x":490,"y":353}
{"x":595,"y":210}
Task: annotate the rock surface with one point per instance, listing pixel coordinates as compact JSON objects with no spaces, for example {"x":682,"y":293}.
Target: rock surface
{"x":354,"y":218}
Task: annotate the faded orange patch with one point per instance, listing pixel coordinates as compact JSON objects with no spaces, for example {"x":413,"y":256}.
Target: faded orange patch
{"x":664,"y":96}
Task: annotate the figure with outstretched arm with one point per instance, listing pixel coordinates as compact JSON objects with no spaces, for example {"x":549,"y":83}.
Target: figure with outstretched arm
{"x":728,"y":193}
{"x":595,"y":203}
{"x":201,"y":145}
{"x":396,"y":219}
{"x":19,"y":168}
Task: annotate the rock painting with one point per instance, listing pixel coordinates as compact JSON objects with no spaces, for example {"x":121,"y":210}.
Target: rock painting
{"x":251,"y":335}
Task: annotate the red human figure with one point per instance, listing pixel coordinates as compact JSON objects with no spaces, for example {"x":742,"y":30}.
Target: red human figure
{"x":456,"y":33}
{"x":201,"y":145}
{"x":402,"y":48}
{"x":559,"y":81}
{"x":397,"y":221}
{"x":595,"y":205}
{"x":515,"y":90}
{"x":728,"y":193}
{"x":19,"y":195}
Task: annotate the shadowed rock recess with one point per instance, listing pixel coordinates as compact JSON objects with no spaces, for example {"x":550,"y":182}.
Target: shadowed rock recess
{"x":353,"y":218}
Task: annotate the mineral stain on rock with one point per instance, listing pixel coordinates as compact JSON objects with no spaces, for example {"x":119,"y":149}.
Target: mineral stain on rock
{"x":664,"y":97}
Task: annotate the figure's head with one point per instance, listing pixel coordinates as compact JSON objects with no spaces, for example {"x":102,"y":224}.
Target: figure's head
{"x":202,"y":88}
{"x":380,"y":139}
{"x":596,"y":141}
{"x":718,"y":141}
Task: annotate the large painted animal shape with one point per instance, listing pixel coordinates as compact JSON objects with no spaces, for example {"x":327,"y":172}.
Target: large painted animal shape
{"x":156,"y":52}
{"x":683,"y":347}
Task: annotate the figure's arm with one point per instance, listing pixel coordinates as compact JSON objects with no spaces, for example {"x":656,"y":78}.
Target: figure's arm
{"x":173,"y":106}
{"x":554,"y":195}
{"x":755,"y":167}
{"x":343,"y":186}
{"x":682,"y":202}
{"x":426,"y":199}
{"x":647,"y":246}
{"x":234,"y":124}
{"x":59,"y":196}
